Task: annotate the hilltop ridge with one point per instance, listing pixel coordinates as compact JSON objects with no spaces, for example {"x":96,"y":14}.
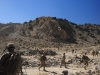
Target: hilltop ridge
{"x":50,"y":30}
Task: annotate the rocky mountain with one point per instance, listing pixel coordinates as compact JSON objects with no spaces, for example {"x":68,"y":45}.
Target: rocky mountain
{"x":51,"y":29}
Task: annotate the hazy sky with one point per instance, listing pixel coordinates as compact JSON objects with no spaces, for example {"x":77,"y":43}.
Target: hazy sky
{"x":77,"y":11}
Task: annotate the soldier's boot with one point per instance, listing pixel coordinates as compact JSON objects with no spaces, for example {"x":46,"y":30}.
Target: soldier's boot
{"x":65,"y":66}
{"x":44,"y":68}
{"x":61,"y":65}
{"x":85,"y":67}
{"x":39,"y":68}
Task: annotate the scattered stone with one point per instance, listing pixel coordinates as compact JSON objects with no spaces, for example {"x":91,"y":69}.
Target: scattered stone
{"x":65,"y":72}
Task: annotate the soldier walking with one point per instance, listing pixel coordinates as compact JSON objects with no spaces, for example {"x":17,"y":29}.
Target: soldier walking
{"x":93,"y":53}
{"x":63,"y":61}
{"x":96,"y":53}
{"x":85,"y":60}
{"x":11,"y":62}
{"x":42,"y":61}
{"x":72,"y":51}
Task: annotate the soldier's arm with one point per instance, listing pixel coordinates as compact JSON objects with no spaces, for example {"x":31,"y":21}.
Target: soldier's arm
{"x":65,"y":57}
{"x":21,"y":61}
{"x":46,"y":58}
{"x":21,"y":69}
{"x":3,"y":58}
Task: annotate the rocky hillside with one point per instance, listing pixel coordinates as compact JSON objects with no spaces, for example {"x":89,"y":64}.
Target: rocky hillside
{"x":51,"y":29}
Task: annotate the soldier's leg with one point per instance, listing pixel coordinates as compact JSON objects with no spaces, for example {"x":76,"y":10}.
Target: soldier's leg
{"x":72,"y":52}
{"x":85,"y":67}
{"x":40,"y":66}
{"x":97,"y":55}
{"x":65,"y":64}
{"x":44,"y":64}
{"x":93,"y":55}
{"x":86,"y":64}
{"x":44,"y":68}
{"x":61,"y":65}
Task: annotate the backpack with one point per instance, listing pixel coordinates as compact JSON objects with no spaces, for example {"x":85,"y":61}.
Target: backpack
{"x":85,"y":58}
{"x":11,"y":63}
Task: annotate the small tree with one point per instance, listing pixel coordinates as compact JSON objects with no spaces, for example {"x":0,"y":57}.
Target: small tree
{"x":25,"y":22}
{"x":30,"y":21}
{"x":30,"y":27}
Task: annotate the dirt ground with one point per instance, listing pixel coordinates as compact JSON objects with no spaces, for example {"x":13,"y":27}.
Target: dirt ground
{"x":72,"y":68}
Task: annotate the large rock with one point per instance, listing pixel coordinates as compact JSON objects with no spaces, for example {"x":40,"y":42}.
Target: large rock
{"x":65,"y":72}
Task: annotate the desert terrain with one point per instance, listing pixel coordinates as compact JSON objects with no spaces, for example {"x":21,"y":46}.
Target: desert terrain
{"x":53,"y":63}
{"x":55,"y":36}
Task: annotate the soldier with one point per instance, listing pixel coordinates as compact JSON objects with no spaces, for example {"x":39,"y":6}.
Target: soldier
{"x":11,"y":62}
{"x":63,"y":61}
{"x":96,"y":53}
{"x":42,"y":61}
{"x":85,"y":53}
{"x":93,"y":53}
{"x":72,"y":51}
{"x":85,"y":60}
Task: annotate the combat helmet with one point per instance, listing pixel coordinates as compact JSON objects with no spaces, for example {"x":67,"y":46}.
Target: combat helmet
{"x":10,"y":45}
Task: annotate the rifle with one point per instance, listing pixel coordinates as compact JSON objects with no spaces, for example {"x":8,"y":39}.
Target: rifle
{"x":1,"y":73}
{"x":2,"y":64}
{"x":4,"y":51}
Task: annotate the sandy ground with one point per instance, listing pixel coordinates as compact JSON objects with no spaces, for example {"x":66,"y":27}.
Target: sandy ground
{"x":52,"y":70}
{"x":57,"y":70}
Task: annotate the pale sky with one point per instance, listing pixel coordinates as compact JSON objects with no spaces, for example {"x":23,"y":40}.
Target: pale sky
{"x":77,"y":11}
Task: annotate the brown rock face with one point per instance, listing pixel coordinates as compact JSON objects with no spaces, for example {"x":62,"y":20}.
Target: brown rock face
{"x":49,"y":28}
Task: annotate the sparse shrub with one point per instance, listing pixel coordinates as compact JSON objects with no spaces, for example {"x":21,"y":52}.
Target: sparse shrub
{"x":30,"y":27}
{"x":79,"y":34}
{"x":85,"y":39}
{"x":30,"y":21}
{"x":53,"y":17}
{"x":25,"y":22}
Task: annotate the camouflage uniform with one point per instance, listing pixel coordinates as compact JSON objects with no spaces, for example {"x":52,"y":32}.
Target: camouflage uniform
{"x":10,"y":63}
{"x":96,"y":53}
{"x":85,"y":60}
{"x":72,"y":51}
{"x":42,"y":61}
{"x":63,"y":61}
{"x":93,"y":53}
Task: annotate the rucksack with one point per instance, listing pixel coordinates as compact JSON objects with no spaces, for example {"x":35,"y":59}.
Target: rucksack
{"x":11,"y":63}
{"x":85,"y":58}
